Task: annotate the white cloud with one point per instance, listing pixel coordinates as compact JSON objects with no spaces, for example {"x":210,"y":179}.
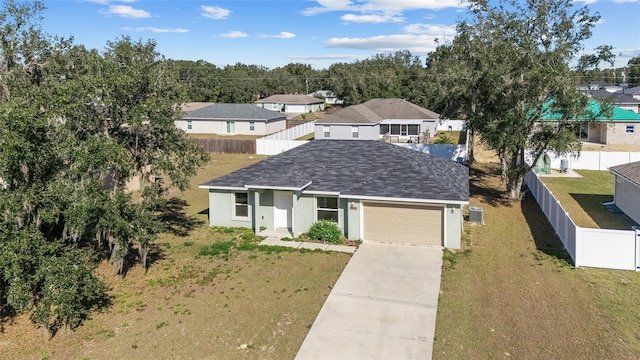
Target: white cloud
{"x":586,"y":2}
{"x":372,"y":18}
{"x":282,"y":35}
{"x":368,"y":6}
{"x":128,"y":12}
{"x":625,"y":1}
{"x":285,"y":35}
{"x":431,"y":29}
{"x":417,"y":44}
{"x":159,"y":30}
{"x":235,"y":34}
{"x":215,"y":12}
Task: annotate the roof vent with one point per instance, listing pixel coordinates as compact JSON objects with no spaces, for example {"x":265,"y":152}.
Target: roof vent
{"x":476,"y":215}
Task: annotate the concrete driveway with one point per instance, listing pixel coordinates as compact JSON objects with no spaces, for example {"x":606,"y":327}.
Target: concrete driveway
{"x":382,"y":307}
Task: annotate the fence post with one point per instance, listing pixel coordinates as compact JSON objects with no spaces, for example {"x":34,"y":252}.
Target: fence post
{"x":636,"y":229}
{"x":576,"y":246}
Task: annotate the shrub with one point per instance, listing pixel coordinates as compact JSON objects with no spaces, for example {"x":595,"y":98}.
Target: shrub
{"x":443,"y":139}
{"x":326,"y":231}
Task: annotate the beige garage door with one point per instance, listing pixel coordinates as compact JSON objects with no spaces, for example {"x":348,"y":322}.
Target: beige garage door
{"x":403,"y":223}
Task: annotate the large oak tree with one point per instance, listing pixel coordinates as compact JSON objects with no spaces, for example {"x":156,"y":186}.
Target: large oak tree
{"x":507,"y":68}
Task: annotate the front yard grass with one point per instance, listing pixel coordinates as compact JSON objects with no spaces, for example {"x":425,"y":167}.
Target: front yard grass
{"x":209,"y":293}
{"x":512,"y":293}
{"x":582,"y":198}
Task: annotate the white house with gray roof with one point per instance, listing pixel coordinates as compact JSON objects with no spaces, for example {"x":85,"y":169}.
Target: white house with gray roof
{"x":292,"y":104}
{"x":626,"y":194}
{"x":231,"y":119}
{"x":374,"y":190}
{"x":395,"y":119}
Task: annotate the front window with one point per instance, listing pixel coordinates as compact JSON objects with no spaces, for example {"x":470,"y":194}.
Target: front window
{"x":241,"y":205}
{"x":630,"y":129}
{"x":384,"y":129}
{"x":189,"y":125}
{"x":414,"y":130}
{"x":327,"y":208}
{"x":252,"y":125}
{"x":355,"y":132}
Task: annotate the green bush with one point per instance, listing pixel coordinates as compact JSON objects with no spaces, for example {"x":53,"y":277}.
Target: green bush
{"x":326,"y":231}
{"x":443,"y":139}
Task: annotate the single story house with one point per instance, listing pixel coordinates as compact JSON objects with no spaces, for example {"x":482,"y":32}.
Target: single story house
{"x":231,"y":119}
{"x":627,"y":189}
{"x":395,"y":119}
{"x":292,"y":104}
{"x":374,"y":190}
{"x":329,"y":97}
{"x":621,"y":128}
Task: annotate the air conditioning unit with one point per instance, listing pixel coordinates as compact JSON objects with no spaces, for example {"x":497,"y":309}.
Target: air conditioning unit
{"x":476,"y":215}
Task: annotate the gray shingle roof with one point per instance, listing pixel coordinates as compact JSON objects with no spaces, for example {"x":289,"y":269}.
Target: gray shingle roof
{"x":618,"y":98}
{"x":291,"y":99}
{"x":630,"y":171}
{"x":360,"y":168}
{"x":376,"y":110}
{"x":234,"y":112}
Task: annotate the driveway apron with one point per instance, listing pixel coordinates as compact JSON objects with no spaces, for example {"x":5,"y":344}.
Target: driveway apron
{"x":383,"y":306}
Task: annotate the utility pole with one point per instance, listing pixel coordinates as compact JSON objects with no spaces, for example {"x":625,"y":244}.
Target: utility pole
{"x":306,"y":81}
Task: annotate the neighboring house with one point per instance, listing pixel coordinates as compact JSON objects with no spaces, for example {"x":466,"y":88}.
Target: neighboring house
{"x":621,"y":128}
{"x":329,"y":97}
{"x":292,"y":104}
{"x":623,"y":101}
{"x":634,"y":91}
{"x":374,"y":191}
{"x":627,"y":189}
{"x":231,"y":119}
{"x":596,"y":85}
{"x":396,"y":119}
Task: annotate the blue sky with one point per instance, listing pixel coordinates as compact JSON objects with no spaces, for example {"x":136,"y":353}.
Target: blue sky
{"x":314,"y":32}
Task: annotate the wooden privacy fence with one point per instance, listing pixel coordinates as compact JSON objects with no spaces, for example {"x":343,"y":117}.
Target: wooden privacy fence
{"x":227,"y":146}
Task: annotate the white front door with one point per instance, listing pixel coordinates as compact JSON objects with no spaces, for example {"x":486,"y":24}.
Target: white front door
{"x":282,"y":204}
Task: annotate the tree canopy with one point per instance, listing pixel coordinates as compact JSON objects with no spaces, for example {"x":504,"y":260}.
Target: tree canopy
{"x":506,"y":69}
{"x":75,"y":126}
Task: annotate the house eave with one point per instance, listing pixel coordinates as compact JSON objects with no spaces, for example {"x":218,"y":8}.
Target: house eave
{"x":615,"y":173}
{"x":280,"y":188}
{"x":409,"y":200}
{"x":226,"y":188}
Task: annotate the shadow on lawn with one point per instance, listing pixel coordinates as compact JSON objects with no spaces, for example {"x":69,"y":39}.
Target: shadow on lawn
{"x":482,"y":184}
{"x":543,"y":234}
{"x":592,"y":205}
{"x":175,"y":220}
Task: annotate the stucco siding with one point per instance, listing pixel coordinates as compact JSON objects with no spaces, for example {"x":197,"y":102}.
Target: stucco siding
{"x":221,"y":210}
{"x":352,"y":217}
{"x":627,"y":198}
{"x":272,"y":127}
{"x":264,"y":210}
{"x":303,"y":213}
{"x":617,"y":133}
{"x":452,"y":226}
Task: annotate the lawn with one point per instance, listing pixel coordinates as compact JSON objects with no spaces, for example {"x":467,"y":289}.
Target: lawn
{"x":511,"y":293}
{"x":582,"y":198}
{"x":238,"y":304}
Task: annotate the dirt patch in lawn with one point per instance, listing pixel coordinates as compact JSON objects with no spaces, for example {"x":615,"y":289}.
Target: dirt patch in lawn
{"x":512,"y":293}
{"x":239,"y":304}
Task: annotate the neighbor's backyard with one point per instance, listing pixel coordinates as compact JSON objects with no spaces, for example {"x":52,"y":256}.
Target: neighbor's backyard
{"x":209,"y":293}
{"x":512,"y":293}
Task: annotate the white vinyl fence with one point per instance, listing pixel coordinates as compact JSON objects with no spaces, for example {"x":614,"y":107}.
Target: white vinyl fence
{"x":274,"y":147}
{"x":292,"y":133}
{"x":601,"y":248}
{"x":594,"y":160}
{"x":448,"y":151}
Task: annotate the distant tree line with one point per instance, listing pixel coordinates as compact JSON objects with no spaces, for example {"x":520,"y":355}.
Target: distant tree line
{"x":399,"y":75}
